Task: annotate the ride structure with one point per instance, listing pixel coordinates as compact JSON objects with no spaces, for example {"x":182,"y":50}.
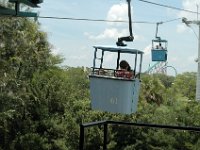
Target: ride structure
{"x":112,"y":93}
{"x":157,"y":67}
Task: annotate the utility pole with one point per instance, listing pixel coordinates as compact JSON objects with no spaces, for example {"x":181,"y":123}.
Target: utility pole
{"x":184,"y":20}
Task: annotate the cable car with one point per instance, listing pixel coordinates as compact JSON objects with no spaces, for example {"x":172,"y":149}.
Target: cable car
{"x":159,"y":50}
{"x":109,"y":92}
{"x":159,"y":47}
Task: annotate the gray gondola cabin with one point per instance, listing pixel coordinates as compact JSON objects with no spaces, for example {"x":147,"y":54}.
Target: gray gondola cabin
{"x":109,"y":92}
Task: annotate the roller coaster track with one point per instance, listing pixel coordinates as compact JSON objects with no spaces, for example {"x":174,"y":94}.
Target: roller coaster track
{"x":158,"y":67}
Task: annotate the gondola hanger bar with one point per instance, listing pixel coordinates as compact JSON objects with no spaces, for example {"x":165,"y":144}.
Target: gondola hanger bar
{"x":127,"y":38}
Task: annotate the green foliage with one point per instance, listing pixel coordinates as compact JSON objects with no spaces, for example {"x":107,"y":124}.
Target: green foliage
{"x":31,"y":106}
{"x":166,"y":80}
{"x":21,"y":45}
{"x":152,"y":89}
{"x":31,"y":141}
{"x":185,"y":84}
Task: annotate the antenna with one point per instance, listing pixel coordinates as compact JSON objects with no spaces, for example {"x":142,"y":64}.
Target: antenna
{"x":127,"y":38}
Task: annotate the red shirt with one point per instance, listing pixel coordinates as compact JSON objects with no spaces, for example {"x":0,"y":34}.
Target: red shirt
{"x":124,"y":74}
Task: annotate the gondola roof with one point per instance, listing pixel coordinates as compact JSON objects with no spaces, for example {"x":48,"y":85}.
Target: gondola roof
{"x":119,"y":49}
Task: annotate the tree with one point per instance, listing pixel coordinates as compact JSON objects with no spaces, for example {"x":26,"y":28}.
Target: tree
{"x":185,"y":84}
{"x":24,"y":50}
{"x":152,"y":89}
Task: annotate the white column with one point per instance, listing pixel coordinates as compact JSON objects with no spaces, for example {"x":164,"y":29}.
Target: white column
{"x":198,"y":69}
{"x":184,"y":20}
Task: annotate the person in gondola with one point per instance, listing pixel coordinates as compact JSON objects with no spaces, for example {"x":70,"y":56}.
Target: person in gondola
{"x":159,"y":46}
{"x":125,"y":70}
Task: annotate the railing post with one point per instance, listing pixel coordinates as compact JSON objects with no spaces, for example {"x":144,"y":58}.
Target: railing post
{"x":105,"y":131}
{"x":81,"y":140}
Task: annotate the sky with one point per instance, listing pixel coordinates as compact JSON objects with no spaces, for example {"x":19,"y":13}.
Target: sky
{"x":74,"y":40}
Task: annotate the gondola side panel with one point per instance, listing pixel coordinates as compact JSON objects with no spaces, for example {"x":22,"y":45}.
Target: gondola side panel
{"x":113,"y":95}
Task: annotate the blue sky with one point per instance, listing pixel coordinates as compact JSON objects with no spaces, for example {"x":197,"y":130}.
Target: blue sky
{"x":74,"y":40}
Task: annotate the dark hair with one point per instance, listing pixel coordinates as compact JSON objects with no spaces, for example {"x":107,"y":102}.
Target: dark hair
{"x":124,"y":65}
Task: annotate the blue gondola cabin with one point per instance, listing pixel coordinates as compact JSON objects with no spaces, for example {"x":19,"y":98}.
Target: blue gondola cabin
{"x":159,"y":50}
{"x":110,"y":92}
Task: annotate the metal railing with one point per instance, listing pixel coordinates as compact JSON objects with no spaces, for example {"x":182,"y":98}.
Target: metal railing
{"x":106,"y":123}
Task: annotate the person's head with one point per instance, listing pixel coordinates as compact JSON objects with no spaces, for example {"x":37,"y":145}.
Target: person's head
{"x":157,"y":46}
{"x":124,"y":65}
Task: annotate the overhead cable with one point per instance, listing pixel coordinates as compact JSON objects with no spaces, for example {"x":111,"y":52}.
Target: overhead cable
{"x":167,"y":6}
{"x":171,"y":20}
{"x":94,"y":20}
{"x":104,"y":20}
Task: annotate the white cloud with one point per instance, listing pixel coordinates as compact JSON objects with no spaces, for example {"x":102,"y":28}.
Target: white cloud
{"x":109,"y":33}
{"x":192,"y":59}
{"x":190,"y":5}
{"x":78,"y":58}
{"x":117,"y":12}
{"x":147,"y":49}
{"x":181,"y":28}
{"x":138,"y":37}
{"x":109,"y":58}
{"x":55,"y":51}
{"x":173,"y":59}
